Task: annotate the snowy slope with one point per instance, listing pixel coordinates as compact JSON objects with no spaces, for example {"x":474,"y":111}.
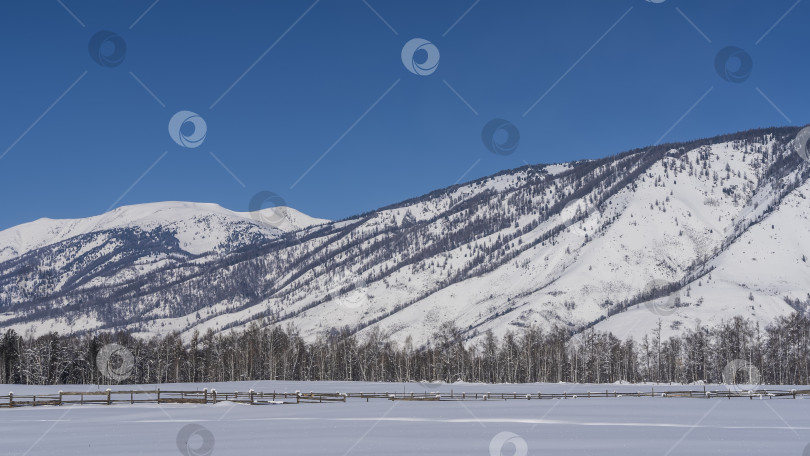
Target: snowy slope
{"x":751,"y":277}
{"x":200,"y":227}
{"x":681,"y":233}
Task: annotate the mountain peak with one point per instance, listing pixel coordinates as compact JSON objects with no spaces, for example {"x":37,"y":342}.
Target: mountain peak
{"x":200,"y":227}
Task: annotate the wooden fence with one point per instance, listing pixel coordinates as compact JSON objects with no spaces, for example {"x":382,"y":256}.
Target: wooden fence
{"x":205,"y":396}
{"x":703,"y":394}
{"x":158,"y":396}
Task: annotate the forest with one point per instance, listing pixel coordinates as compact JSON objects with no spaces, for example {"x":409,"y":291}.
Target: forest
{"x":776,"y":354}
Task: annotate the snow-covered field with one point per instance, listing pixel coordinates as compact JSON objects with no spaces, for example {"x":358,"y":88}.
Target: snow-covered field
{"x":612,"y":426}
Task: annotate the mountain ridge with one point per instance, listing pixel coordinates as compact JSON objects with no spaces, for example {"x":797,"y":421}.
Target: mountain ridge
{"x":44,"y":231}
{"x":602,"y":242}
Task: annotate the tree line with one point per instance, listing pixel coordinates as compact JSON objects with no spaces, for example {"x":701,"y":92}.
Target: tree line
{"x":777,"y":354}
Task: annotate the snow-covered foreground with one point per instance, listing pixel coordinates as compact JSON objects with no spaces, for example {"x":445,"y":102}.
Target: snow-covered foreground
{"x":612,"y":426}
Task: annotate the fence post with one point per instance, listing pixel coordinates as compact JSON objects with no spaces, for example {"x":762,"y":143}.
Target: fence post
{"x":214,"y":395}
{"x":131,"y":397}
{"x":34,"y":401}
{"x":109,"y":401}
{"x":158,"y":395}
{"x":60,"y":397}
{"x":10,"y":400}
{"x":251,"y":397}
{"x":205,"y":395}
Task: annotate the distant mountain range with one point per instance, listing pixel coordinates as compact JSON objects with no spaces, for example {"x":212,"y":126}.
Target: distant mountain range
{"x":677,"y":234}
{"x":199,"y":227}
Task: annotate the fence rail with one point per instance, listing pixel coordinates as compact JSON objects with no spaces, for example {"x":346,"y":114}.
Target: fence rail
{"x":205,"y":396}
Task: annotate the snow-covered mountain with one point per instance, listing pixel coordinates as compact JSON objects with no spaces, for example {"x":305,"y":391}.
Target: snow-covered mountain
{"x":677,"y":234}
{"x":199,"y":227}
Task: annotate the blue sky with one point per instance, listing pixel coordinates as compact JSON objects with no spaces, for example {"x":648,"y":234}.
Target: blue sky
{"x":325,"y":79}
